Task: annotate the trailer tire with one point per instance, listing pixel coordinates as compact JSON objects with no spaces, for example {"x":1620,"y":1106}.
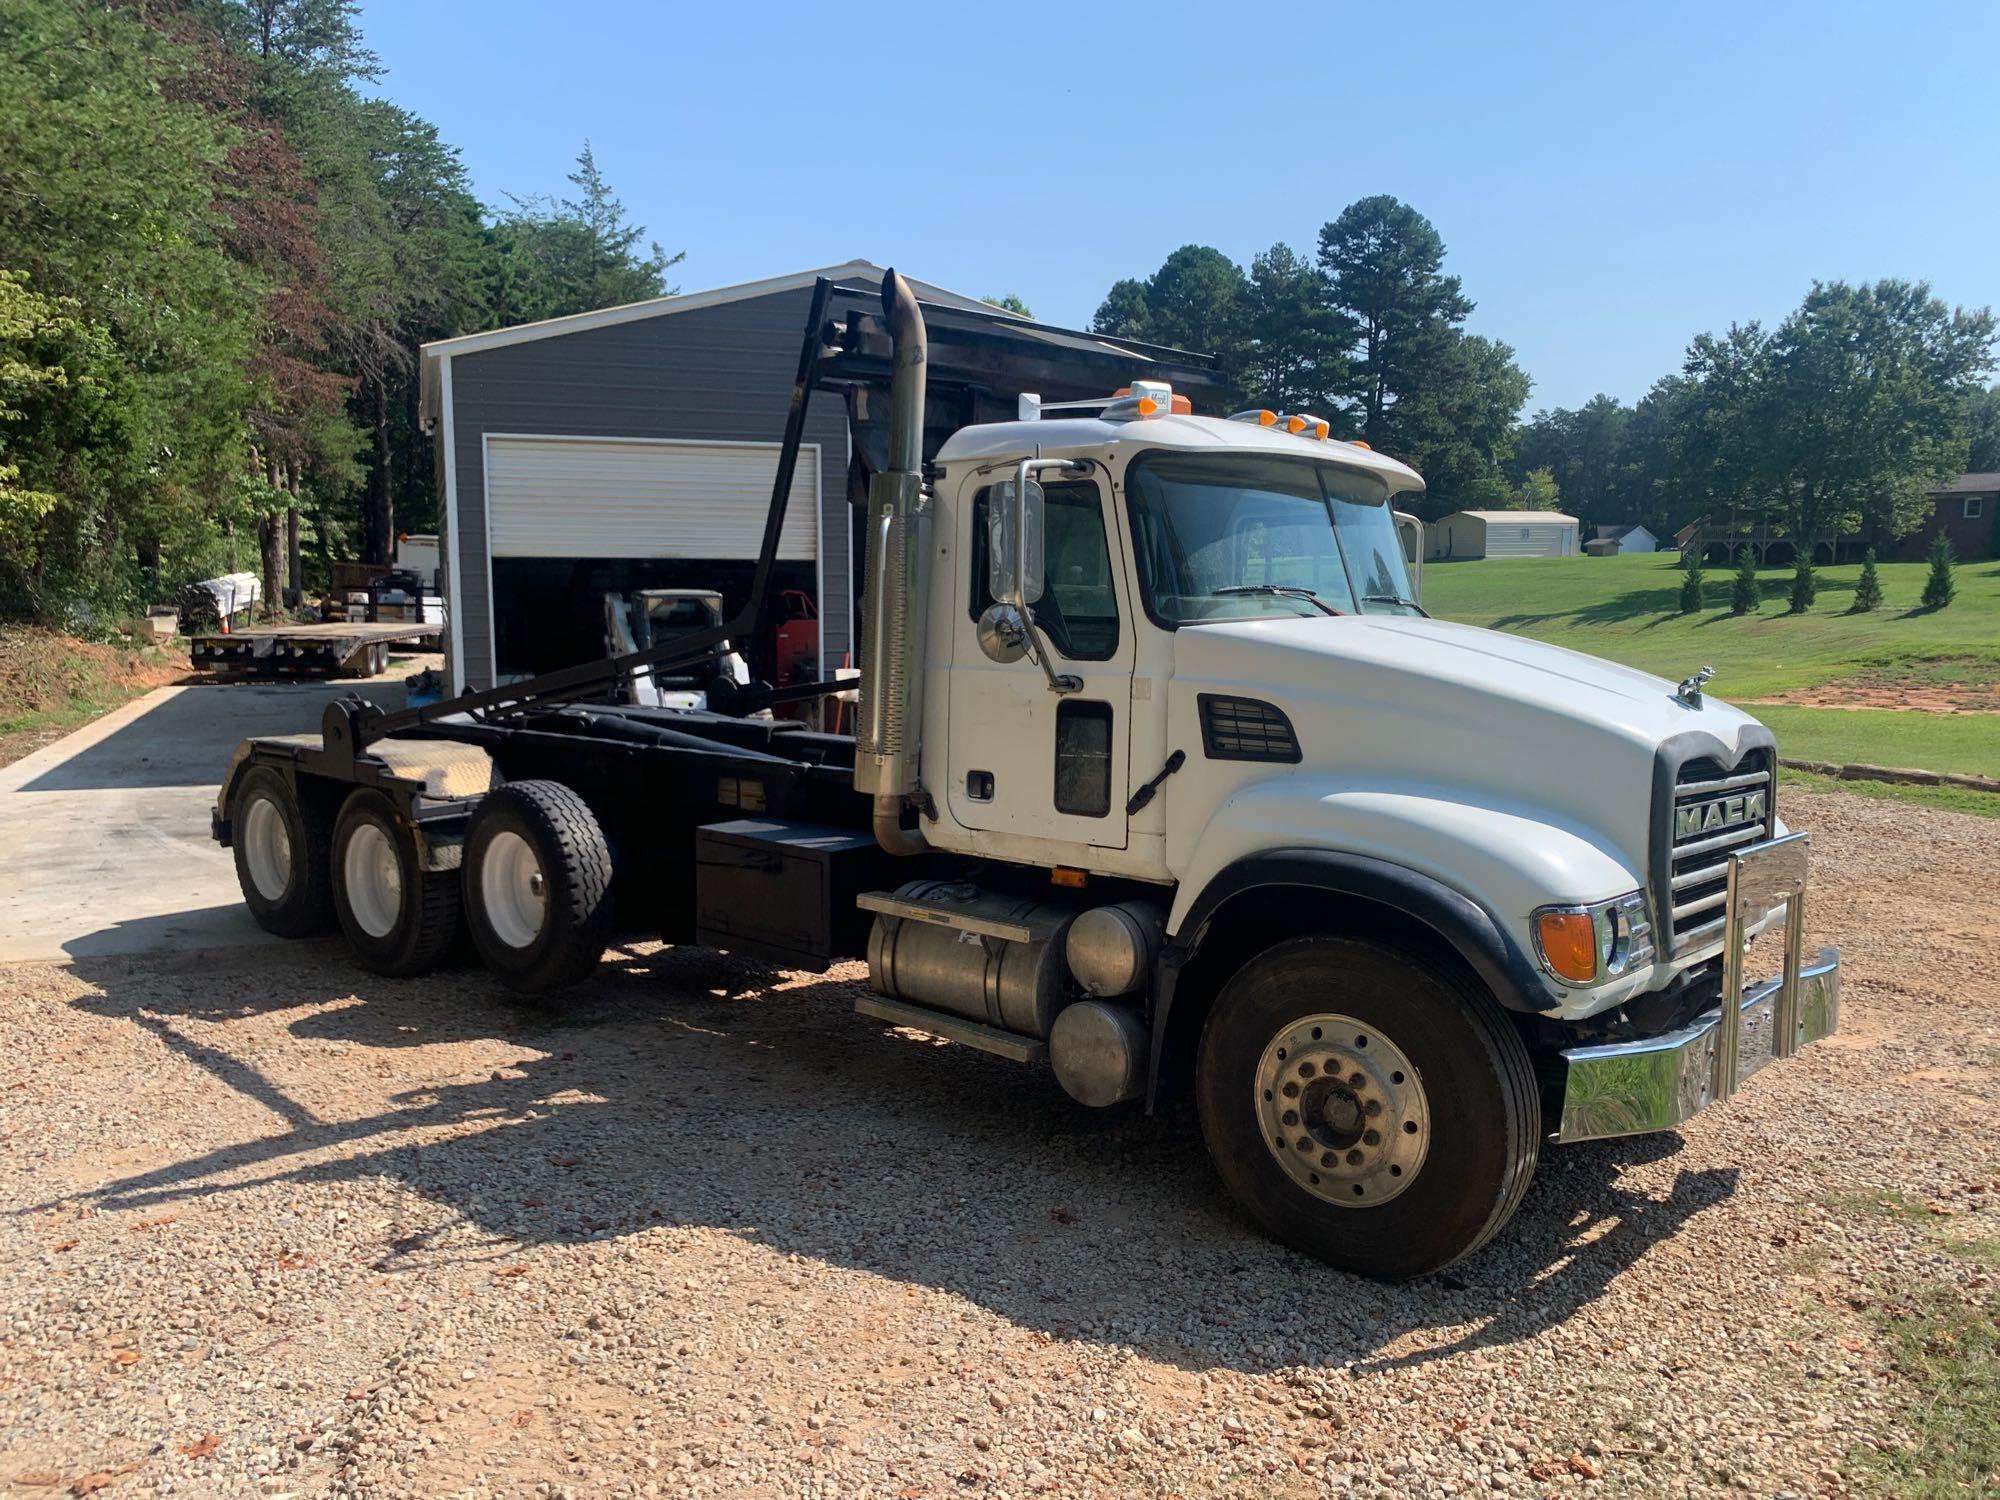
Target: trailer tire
{"x":1367,"y":1108}
{"x":281,"y":855}
{"x":537,"y":885}
{"x":399,"y":918}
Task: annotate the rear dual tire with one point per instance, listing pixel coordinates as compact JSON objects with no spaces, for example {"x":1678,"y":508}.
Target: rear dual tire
{"x":537,"y":886}
{"x":281,"y":856}
{"x":399,"y":917}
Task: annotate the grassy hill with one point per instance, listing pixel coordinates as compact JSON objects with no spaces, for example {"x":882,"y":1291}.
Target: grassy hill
{"x":1840,"y":679}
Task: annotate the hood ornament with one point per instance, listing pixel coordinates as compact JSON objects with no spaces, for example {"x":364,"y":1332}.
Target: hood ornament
{"x":1689,"y":692}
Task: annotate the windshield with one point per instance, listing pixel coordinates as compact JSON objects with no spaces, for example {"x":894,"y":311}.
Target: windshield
{"x":1244,"y":536}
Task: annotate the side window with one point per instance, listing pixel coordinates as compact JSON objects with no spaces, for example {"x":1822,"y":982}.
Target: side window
{"x":1078,"y":610}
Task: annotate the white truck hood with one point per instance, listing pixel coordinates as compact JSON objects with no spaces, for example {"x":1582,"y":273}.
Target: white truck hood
{"x":1462,"y":714}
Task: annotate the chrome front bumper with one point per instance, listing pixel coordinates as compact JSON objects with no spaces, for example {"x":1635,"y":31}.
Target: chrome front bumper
{"x":1630,"y":1088}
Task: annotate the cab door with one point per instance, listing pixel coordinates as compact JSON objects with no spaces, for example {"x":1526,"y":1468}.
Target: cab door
{"x":1023,"y":759}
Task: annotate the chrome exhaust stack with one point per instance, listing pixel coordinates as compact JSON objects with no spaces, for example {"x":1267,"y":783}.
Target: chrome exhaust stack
{"x":892,"y":625}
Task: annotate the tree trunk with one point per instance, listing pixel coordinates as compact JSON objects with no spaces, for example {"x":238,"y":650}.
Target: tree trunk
{"x":271,"y":543}
{"x":378,"y":511}
{"x":271,"y":547}
{"x":295,"y":573}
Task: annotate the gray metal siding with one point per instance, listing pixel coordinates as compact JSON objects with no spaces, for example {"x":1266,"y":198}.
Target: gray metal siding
{"x":719,"y":372}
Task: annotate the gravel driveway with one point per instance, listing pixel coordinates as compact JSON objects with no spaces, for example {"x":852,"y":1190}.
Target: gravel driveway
{"x":275,"y":1226}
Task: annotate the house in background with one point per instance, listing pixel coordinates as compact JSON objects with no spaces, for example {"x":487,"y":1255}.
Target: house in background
{"x":1622,"y":536}
{"x":1967,"y":510}
{"x":1467,"y":534}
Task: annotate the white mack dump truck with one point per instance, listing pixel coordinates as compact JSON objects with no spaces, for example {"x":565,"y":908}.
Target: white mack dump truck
{"x":1164,"y":779}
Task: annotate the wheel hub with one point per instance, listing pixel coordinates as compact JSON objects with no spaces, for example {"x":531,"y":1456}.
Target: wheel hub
{"x":374,"y":879}
{"x":267,"y":848}
{"x":513,"y":889}
{"x":1343,"y":1110}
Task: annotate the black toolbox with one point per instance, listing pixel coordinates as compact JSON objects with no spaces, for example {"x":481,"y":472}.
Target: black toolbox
{"x":785,"y":891}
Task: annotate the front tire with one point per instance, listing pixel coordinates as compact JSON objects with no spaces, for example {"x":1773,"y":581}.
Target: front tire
{"x":1365,"y":1107}
{"x":399,"y":918}
{"x":537,"y":885}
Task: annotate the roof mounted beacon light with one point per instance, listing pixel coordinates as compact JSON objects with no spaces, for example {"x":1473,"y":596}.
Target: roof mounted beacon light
{"x":1145,"y":399}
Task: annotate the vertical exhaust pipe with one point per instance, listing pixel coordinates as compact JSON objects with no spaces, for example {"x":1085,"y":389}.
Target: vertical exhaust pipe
{"x":892,"y":625}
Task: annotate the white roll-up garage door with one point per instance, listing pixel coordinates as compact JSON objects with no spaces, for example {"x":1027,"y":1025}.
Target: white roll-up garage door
{"x":592,"y":497}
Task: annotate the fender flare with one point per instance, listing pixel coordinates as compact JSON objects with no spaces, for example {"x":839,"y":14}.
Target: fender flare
{"x":1500,"y":962}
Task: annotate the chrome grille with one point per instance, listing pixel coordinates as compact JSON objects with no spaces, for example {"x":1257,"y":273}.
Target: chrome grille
{"x":1716,"y":810}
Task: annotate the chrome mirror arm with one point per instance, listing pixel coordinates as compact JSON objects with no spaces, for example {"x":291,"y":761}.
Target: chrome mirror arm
{"x":1038,"y":646}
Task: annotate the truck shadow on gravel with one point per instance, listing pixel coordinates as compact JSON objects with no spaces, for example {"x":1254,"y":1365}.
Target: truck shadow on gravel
{"x":683,"y":1089}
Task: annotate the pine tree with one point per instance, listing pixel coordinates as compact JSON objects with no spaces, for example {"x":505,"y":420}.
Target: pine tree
{"x":1868,"y":592}
{"x":1939,"y":590}
{"x":1691,"y":585}
{"x":1805,"y":586}
{"x":1743,"y":597}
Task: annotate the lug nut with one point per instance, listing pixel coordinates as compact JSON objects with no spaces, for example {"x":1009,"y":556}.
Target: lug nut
{"x":1291,"y":1117}
{"x":1354,"y":1158}
{"x":1371,"y":1138}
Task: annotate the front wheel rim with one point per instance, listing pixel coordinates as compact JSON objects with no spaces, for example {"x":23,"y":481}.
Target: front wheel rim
{"x":267,"y":848}
{"x":513,"y":889}
{"x":374,"y":879}
{"x":1343,"y":1109}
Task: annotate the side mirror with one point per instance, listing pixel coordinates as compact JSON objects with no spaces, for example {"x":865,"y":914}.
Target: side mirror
{"x":1014,"y":541}
{"x":1410,"y":531}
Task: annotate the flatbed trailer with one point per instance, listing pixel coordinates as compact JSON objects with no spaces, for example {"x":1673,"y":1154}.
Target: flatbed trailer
{"x":335,"y":648}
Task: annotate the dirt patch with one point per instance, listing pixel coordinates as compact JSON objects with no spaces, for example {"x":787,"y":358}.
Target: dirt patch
{"x":1936,"y":685}
{"x":51,"y":684}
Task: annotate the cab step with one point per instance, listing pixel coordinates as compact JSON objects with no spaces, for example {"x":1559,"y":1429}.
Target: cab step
{"x":1007,"y":1044}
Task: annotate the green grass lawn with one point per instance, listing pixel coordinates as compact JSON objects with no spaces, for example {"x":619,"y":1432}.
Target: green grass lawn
{"x":1624,"y":608}
{"x":1965,"y":743}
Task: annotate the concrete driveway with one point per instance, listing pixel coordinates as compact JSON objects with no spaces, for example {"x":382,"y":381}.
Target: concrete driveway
{"x":104,"y":844}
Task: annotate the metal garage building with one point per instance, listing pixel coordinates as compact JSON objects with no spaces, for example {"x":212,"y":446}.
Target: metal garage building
{"x":636,"y":447}
{"x":1501,"y":533}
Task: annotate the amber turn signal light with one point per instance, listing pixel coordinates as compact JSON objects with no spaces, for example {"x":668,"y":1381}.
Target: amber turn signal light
{"x":1569,"y":944}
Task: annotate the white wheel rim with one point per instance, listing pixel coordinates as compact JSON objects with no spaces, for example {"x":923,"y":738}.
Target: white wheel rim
{"x":513,"y":889}
{"x":374,"y":878}
{"x":267,"y":848}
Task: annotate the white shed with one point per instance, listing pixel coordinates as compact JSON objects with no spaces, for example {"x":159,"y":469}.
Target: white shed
{"x":1629,"y":538}
{"x":1502,"y":533}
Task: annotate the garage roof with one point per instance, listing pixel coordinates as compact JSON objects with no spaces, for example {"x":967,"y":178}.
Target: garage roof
{"x":660,"y":307}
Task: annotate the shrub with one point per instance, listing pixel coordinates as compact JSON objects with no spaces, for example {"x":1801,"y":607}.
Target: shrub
{"x":1939,"y":590}
{"x":1743,"y":597}
{"x":1867,"y":592}
{"x":1805,"y":585}
{"x":1691,"y":586}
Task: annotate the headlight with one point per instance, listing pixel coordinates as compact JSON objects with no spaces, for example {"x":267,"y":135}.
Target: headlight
{"x":1590,"y":944}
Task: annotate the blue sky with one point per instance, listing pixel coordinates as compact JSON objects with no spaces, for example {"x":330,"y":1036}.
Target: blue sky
{"x":1609,"y":179}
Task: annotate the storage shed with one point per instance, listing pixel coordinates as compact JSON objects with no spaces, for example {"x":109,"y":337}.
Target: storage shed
{"x":636,"y":447}
{"x":1501,"y":533}
{"x":1623,"y":536}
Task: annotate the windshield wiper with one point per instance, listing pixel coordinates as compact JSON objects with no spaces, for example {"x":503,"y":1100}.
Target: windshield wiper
{"x":1289,"y":591}
{"x":1396,"y":599}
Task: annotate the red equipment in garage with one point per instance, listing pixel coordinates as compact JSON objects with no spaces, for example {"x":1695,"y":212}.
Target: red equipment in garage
{"x":795,"y":650}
